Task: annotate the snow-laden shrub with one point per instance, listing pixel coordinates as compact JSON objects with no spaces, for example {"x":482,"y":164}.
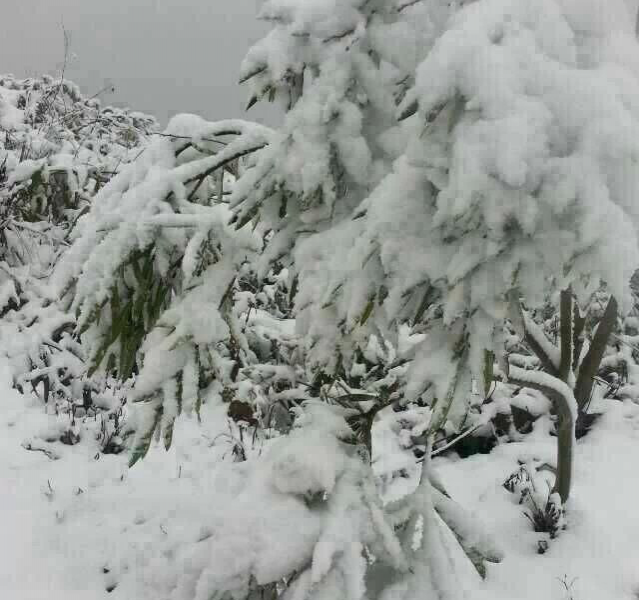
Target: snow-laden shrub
{"x":439,"y":171}
{"x":490,"y":202}
{"x":57,"y":149}
{"x":310,"y":524}
{"x":164,"y":287}
{"x":515,"y":180}
{"x":340,"y":73}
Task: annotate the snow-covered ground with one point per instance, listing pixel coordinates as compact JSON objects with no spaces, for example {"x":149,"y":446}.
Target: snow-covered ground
{"x":75,"y":526}
{"x":597,"y":557}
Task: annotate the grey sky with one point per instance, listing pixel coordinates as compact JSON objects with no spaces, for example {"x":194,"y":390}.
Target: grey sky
{"x":162,"y":56}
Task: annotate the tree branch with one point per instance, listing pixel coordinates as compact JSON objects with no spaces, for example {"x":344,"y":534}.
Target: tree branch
{"x":566,"y":334}
{"x":536,"y":339}
{"x":590,"y":364}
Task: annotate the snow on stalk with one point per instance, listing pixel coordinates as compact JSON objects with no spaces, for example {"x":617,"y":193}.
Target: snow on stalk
{"x":566,"y":406}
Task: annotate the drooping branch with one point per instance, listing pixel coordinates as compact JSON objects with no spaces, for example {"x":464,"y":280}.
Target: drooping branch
{"x":223,"y":159}
{"x":477,"y":544}
{"x":534,"y":337}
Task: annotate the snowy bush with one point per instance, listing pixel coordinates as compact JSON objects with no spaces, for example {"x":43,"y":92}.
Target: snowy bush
{"x":442,"y":173}
{"x":163,"y":285}
{"x":516,"y":181}
{"x":57,"y":149}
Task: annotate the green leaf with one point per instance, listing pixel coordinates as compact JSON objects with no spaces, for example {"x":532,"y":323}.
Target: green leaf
{"x":158,"y":303}
{"x":368,"y":311}
{"x":179,"y":391}
{"x":247,"y":217}
{"x":142,"y":297}
{"x":456,"y":112}
{"x":409,"y":111}
{"x":115,"y":300}
{"x":333,"y":295}
{"x":144,"y":443}
{"x":93,"y":316}
{"x":168,"y":434}
{"x":382,"y":295}
{"x":227,"y":294}
{"x":442,"y":407}
{"x":117,"y":327}
{"x":489,"y":366}
{"x":128,"y":352}
{"x":198,"y":407}
{"x":137,"y":271}
{"x":427,"y":301}
{"x":147,"y":269}
{"x":283,"y":206}
{"x":293,"y":292}
{"x":255,"y":72}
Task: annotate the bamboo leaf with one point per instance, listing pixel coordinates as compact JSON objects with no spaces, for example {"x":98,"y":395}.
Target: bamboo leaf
{"x":368,"y":311}
{"x":478,"y":546}
{"x":427,"y":300}
{"x":489,"y":366}
{"x":409,"y":111}
{"x":254,"y":73}
{"x":293,"y":292}
{"x":247,"y":217}
{"x":333,"y":295}
{"x":168,"y":434}
{"x":141,"y":448}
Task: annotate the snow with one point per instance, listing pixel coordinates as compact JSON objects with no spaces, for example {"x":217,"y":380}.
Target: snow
{"x":596,"y":551}
{"x":24,"y":170}
{"x":512,"y":177}
{"x":548,"y":348}
{"x":71,"y":518}
{"x":66,"y":521}
{"x":296,"y":471}
{"x":539,"y":379}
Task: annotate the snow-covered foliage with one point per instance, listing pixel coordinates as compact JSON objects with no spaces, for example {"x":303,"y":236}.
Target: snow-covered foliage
{"x":159,"y":278}
{"x":318,"y":520}
{"x":43,"y":116}
{"x":428,"y":255}
{"x":57,"y":149}
{"x":474,"y":214}
{"x":486,"y":203}
{"x":176,"y":303}
{"x":335,"y":67}
{"x":491,"y":201}
{"x":58,"y":146}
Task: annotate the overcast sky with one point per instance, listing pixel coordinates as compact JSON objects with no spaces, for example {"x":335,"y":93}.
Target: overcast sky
{"x":162,"y":56}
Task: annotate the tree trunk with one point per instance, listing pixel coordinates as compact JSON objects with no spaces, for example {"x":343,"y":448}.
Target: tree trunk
{"x":565,"y":435}
{"x":571,"y":326}
{"x":565,"y":446}
{"x":568,"y":327}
